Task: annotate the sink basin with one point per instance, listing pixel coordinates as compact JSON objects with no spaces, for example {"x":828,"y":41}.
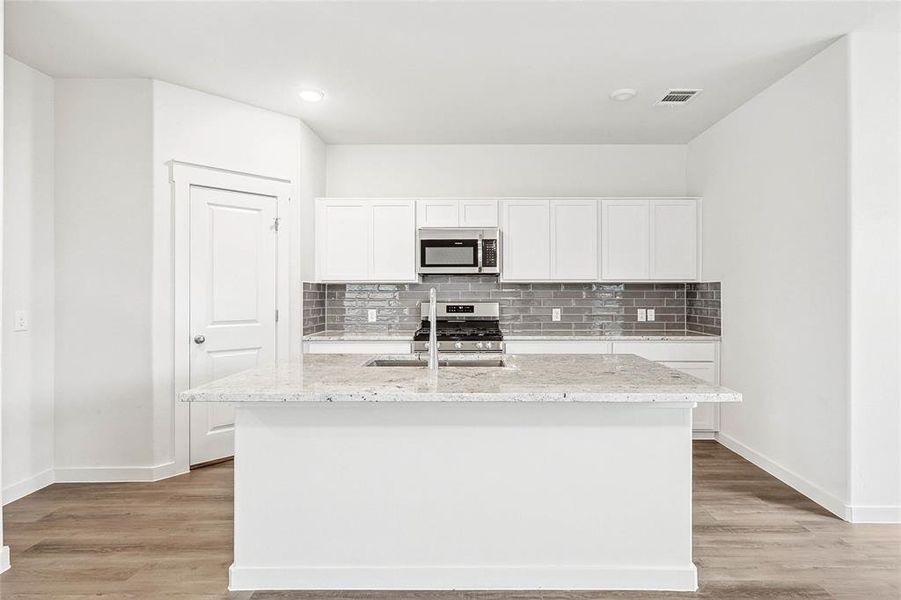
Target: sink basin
{"x":444,"y":362}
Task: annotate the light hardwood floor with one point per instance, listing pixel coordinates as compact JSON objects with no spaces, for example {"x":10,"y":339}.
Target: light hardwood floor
{"x":754,"y":538}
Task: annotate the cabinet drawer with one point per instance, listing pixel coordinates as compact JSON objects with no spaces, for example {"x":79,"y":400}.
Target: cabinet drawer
{"x":669,"y":351}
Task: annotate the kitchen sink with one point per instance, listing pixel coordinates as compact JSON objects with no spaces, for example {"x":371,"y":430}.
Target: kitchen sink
{"x":444,"y":362}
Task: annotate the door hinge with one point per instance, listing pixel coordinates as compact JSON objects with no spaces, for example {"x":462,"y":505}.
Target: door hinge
{"x":275,"y":223}
{"x":276,"y":315}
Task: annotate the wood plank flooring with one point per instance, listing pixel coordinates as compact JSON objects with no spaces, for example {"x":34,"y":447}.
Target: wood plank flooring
{"x":754,"y":538}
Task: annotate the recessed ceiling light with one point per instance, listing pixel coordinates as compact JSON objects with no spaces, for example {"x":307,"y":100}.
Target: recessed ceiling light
{"x":311,"y":95}
{"x":623,"y":94}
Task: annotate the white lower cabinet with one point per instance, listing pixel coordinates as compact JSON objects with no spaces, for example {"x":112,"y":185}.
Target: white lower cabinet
{"x":705,"y":417}
{"x":700,"y":359}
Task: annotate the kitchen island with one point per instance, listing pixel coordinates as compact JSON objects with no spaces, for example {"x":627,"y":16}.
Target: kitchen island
{"x":550,"y":472}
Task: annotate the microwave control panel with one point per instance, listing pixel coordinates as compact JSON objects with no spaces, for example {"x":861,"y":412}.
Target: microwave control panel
{"x":489,"y":253}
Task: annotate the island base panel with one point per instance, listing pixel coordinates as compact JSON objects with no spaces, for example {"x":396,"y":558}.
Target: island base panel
{"x":463,"y":496}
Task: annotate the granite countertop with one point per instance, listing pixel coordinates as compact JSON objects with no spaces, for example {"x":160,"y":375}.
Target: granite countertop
{"x":340,"y":336}
{"x":637,"y":337}
{"x":336,"y":336}
{"x":525,"y":378}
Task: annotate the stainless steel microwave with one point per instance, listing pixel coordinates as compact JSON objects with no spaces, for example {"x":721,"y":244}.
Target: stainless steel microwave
{"x":458,"y":250}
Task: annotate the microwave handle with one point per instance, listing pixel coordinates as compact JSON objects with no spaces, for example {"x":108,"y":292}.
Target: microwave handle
{"x":479,"y":252}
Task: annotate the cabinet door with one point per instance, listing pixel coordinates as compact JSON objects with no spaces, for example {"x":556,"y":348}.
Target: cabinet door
{"x":574,"y":239}
{"x":478,"y":213}
{"x":342,"y":240}
{"x":626,"y":248}
{"x":393,"y":234}
{"x":526,"y":242}
{"x":705,"y":416}
{"x":674,"y":239}
{"x":437,"y":212}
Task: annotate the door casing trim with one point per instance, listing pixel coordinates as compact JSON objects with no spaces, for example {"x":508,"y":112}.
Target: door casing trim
{"x":182,"y":176}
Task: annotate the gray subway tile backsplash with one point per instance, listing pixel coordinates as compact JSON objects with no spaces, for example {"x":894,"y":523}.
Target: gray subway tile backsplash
{"x":586,"y":308}
{"x":703,"y":308}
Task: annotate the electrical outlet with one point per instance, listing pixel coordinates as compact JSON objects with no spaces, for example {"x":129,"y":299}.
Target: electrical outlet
{"x":555,"y":314}
{"x":650,"y":314}
{"x":372,"y":315}
{"x":20,"y":321}
{"x":642,"y":314}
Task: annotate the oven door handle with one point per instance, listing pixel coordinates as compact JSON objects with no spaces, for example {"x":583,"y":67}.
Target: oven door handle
{"x":479,"y":252}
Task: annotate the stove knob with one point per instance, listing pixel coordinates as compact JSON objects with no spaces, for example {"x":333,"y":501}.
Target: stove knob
{"x":479,"y":345}
{"x":458,"y":345}
{"x":489,"y":345}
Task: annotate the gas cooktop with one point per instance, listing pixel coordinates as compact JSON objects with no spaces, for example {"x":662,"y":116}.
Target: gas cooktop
{"x":462,"y":327}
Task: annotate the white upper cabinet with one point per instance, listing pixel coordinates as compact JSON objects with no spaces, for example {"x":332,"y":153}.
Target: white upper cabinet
{"x":625,"y":238}
{"x":574,"y":239}
{"x":453,"y":212}
{"x":478,"y":212}
{"x":649,"y":239}
{"x":365,"y":239}
{"x":526,"y":240}
{"x":342,"y":240}
{"x":437,"y":212}
{"x":393,"y":248}
{"x":674,"y":239}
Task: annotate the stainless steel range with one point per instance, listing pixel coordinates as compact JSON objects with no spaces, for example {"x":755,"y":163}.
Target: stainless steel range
{"x":462,"y":327}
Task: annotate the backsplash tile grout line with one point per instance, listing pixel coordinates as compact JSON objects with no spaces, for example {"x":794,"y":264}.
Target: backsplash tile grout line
{"x":586,"y":309}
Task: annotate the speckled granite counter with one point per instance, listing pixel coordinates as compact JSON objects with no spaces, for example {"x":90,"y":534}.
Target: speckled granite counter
{"x":524,"y":378}
{"x":337,"y":336}
{"x":688,"y":337}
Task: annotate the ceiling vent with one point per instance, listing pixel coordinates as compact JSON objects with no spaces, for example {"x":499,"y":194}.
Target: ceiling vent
{"x":678,"y":96}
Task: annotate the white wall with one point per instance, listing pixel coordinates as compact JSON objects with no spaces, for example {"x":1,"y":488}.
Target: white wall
{"x":875,"y":194}
{"x":773,"y":175}
{"x":27,"y":280}
{"x":194,"y":127}
{"x":505,"y":170}
{"x":4,"y":550}
{"x":103,"y":224}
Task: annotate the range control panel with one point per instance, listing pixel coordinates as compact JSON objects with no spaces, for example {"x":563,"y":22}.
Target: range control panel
{"x":459,"y":308}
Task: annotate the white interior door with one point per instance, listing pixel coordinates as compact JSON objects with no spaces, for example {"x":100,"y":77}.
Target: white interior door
{"x":233,"y":296}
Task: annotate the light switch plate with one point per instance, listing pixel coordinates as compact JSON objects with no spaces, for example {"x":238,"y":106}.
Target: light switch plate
{"x":20,"y":322}
{"x":372,"y":315}
{"x":651,"y":316}
{"x":642,"y":314}
{"x":555,"y":314}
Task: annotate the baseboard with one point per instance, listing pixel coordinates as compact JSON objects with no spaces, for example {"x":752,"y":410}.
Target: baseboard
{"x":875,"y":514}
{"x":13,"y":492}
{"x":683,"y":579}
{"x":703,"y":434}
{"x":828,"y":501}
{"x":116,"y":474}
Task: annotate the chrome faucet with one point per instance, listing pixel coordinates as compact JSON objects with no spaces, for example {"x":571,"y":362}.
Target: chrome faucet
{"x":433,"y":328}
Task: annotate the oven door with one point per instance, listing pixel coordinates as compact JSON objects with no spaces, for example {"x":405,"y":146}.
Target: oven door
{"x":449,"y":255}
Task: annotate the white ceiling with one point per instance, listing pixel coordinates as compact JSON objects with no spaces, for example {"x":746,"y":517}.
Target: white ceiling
{"x":450,"y":72}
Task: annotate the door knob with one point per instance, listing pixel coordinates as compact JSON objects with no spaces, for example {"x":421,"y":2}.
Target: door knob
{"x":199,"y":339}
